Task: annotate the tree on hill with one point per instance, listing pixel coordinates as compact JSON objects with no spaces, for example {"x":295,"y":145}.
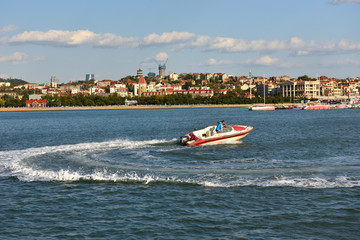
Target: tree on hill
{"x":14,"y":82}
{"x":306,"y":78}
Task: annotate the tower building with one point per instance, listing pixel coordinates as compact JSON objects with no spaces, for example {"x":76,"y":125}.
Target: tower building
{"x":162,"y":70}
{"x":139,"y":73}
{"x":54,"y":81}
{"x":89,"y":77}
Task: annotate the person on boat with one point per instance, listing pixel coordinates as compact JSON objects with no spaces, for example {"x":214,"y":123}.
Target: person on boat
{"x":220,"y":126}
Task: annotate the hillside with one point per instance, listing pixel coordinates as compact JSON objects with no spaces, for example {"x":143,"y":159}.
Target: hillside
{"x":14,"y":82}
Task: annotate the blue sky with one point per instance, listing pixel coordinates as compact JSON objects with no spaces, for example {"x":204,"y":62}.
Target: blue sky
{"x":114,"y":38}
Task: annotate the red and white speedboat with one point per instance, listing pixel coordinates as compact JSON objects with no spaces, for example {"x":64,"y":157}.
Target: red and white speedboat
{"x":208,"y":135}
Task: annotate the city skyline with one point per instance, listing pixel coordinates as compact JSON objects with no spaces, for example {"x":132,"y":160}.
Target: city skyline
{"x":113,"y":39}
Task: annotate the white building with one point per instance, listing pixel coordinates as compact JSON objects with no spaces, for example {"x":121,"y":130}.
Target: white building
{"x":5,"y":84}
{"x":174,"y":76}
{"x":54,"y":81}
{"x":140,"y":87}
{"x":309,"y":89}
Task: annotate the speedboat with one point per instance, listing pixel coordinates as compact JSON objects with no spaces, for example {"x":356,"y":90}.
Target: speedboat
{"x":208,"y":135}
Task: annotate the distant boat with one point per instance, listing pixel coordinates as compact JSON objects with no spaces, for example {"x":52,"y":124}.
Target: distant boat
{"x":354,"y":106}
{"x":339,"y":106}
{"x":262,"y":108}
{"x":283,"y":107}
{"x":316,"y":107}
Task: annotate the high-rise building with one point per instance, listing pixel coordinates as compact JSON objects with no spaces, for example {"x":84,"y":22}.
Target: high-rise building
{"x":54,"y":81}
{"x":162,"y":70}
{"x":89,"y":77}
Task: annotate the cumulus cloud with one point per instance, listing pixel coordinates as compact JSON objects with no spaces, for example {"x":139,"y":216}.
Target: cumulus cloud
{"x":161,"y":56}
{"x":110,"y":40}
{"x":302,"y":53}
{"x":179,"y":41}
{"x":223,"y":44}
{"x":15,"y":58}
{"x":335,"y":2}
{"x":200,"y":41}
{"x":71,"y":38}
{"x":343,"y":46}
{"x":166,"y":38}
{"x":264,"y":61}
{"x":7,"y":29}
{"x":214,"y":62}
{"x":157,"y":59}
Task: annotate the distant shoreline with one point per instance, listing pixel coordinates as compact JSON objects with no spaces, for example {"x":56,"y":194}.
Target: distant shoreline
{"x":123,"y":107}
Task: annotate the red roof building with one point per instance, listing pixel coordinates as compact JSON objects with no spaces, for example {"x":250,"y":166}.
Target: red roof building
{"x":142,"y":80}
{"x":247,"y":95}
{"x":35,"y":103}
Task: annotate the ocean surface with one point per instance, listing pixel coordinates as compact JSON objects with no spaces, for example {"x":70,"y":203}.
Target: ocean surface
{"x":121,"y":174}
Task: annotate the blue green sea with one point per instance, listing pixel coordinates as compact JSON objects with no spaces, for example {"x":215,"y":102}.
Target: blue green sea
{"x":121,"y":174}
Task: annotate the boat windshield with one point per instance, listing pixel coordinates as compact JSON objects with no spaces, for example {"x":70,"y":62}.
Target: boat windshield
{"x":227,"y":129}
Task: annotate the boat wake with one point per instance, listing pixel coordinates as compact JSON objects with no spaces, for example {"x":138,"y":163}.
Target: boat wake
{"x":153,"y":162}
{"x":57,"y":163}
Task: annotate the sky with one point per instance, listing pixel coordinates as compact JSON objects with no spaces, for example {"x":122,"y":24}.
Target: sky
{"x":114,"y":38}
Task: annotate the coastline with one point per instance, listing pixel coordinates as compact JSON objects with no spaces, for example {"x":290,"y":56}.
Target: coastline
{"x":123,"y":107}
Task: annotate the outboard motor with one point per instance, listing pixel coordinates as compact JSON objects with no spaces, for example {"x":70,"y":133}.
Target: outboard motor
{"x":184,"y":139}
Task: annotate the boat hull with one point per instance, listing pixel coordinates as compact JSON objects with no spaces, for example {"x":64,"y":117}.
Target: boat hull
{"x":316,"y":107}
{"x":265,"y":108}
{"x":238,"y":132}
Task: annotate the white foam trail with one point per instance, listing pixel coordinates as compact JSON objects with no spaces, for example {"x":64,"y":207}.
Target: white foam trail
{"x":12,"y":162}
{"x":28,"y":174}
{"x":314,"y":182}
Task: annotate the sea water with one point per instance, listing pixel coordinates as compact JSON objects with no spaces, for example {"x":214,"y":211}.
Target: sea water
{"x":121,"y":174}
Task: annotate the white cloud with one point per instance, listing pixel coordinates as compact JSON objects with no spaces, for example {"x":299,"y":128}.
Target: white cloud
{"x":264,"y":61}
{"x":223,"y":44}
{"x":166,"y":38}
{"x":53,"y":37}
{"x":180,"y":41}
{"x":7,"y":29}
{"x":332,"y":47}
{"x":200,"y":41}
{"x":162,"y":56}
{"x":15,"y":58}
{"x":296,"y":42}
{"x":72,"y":38}
{"x":214,"y":62}
{"x":110,"y":40}
{"x":343,"y":1}
{"x":302,"y":53}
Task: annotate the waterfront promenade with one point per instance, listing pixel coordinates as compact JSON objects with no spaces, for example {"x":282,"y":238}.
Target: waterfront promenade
{"x":123,"y":107}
